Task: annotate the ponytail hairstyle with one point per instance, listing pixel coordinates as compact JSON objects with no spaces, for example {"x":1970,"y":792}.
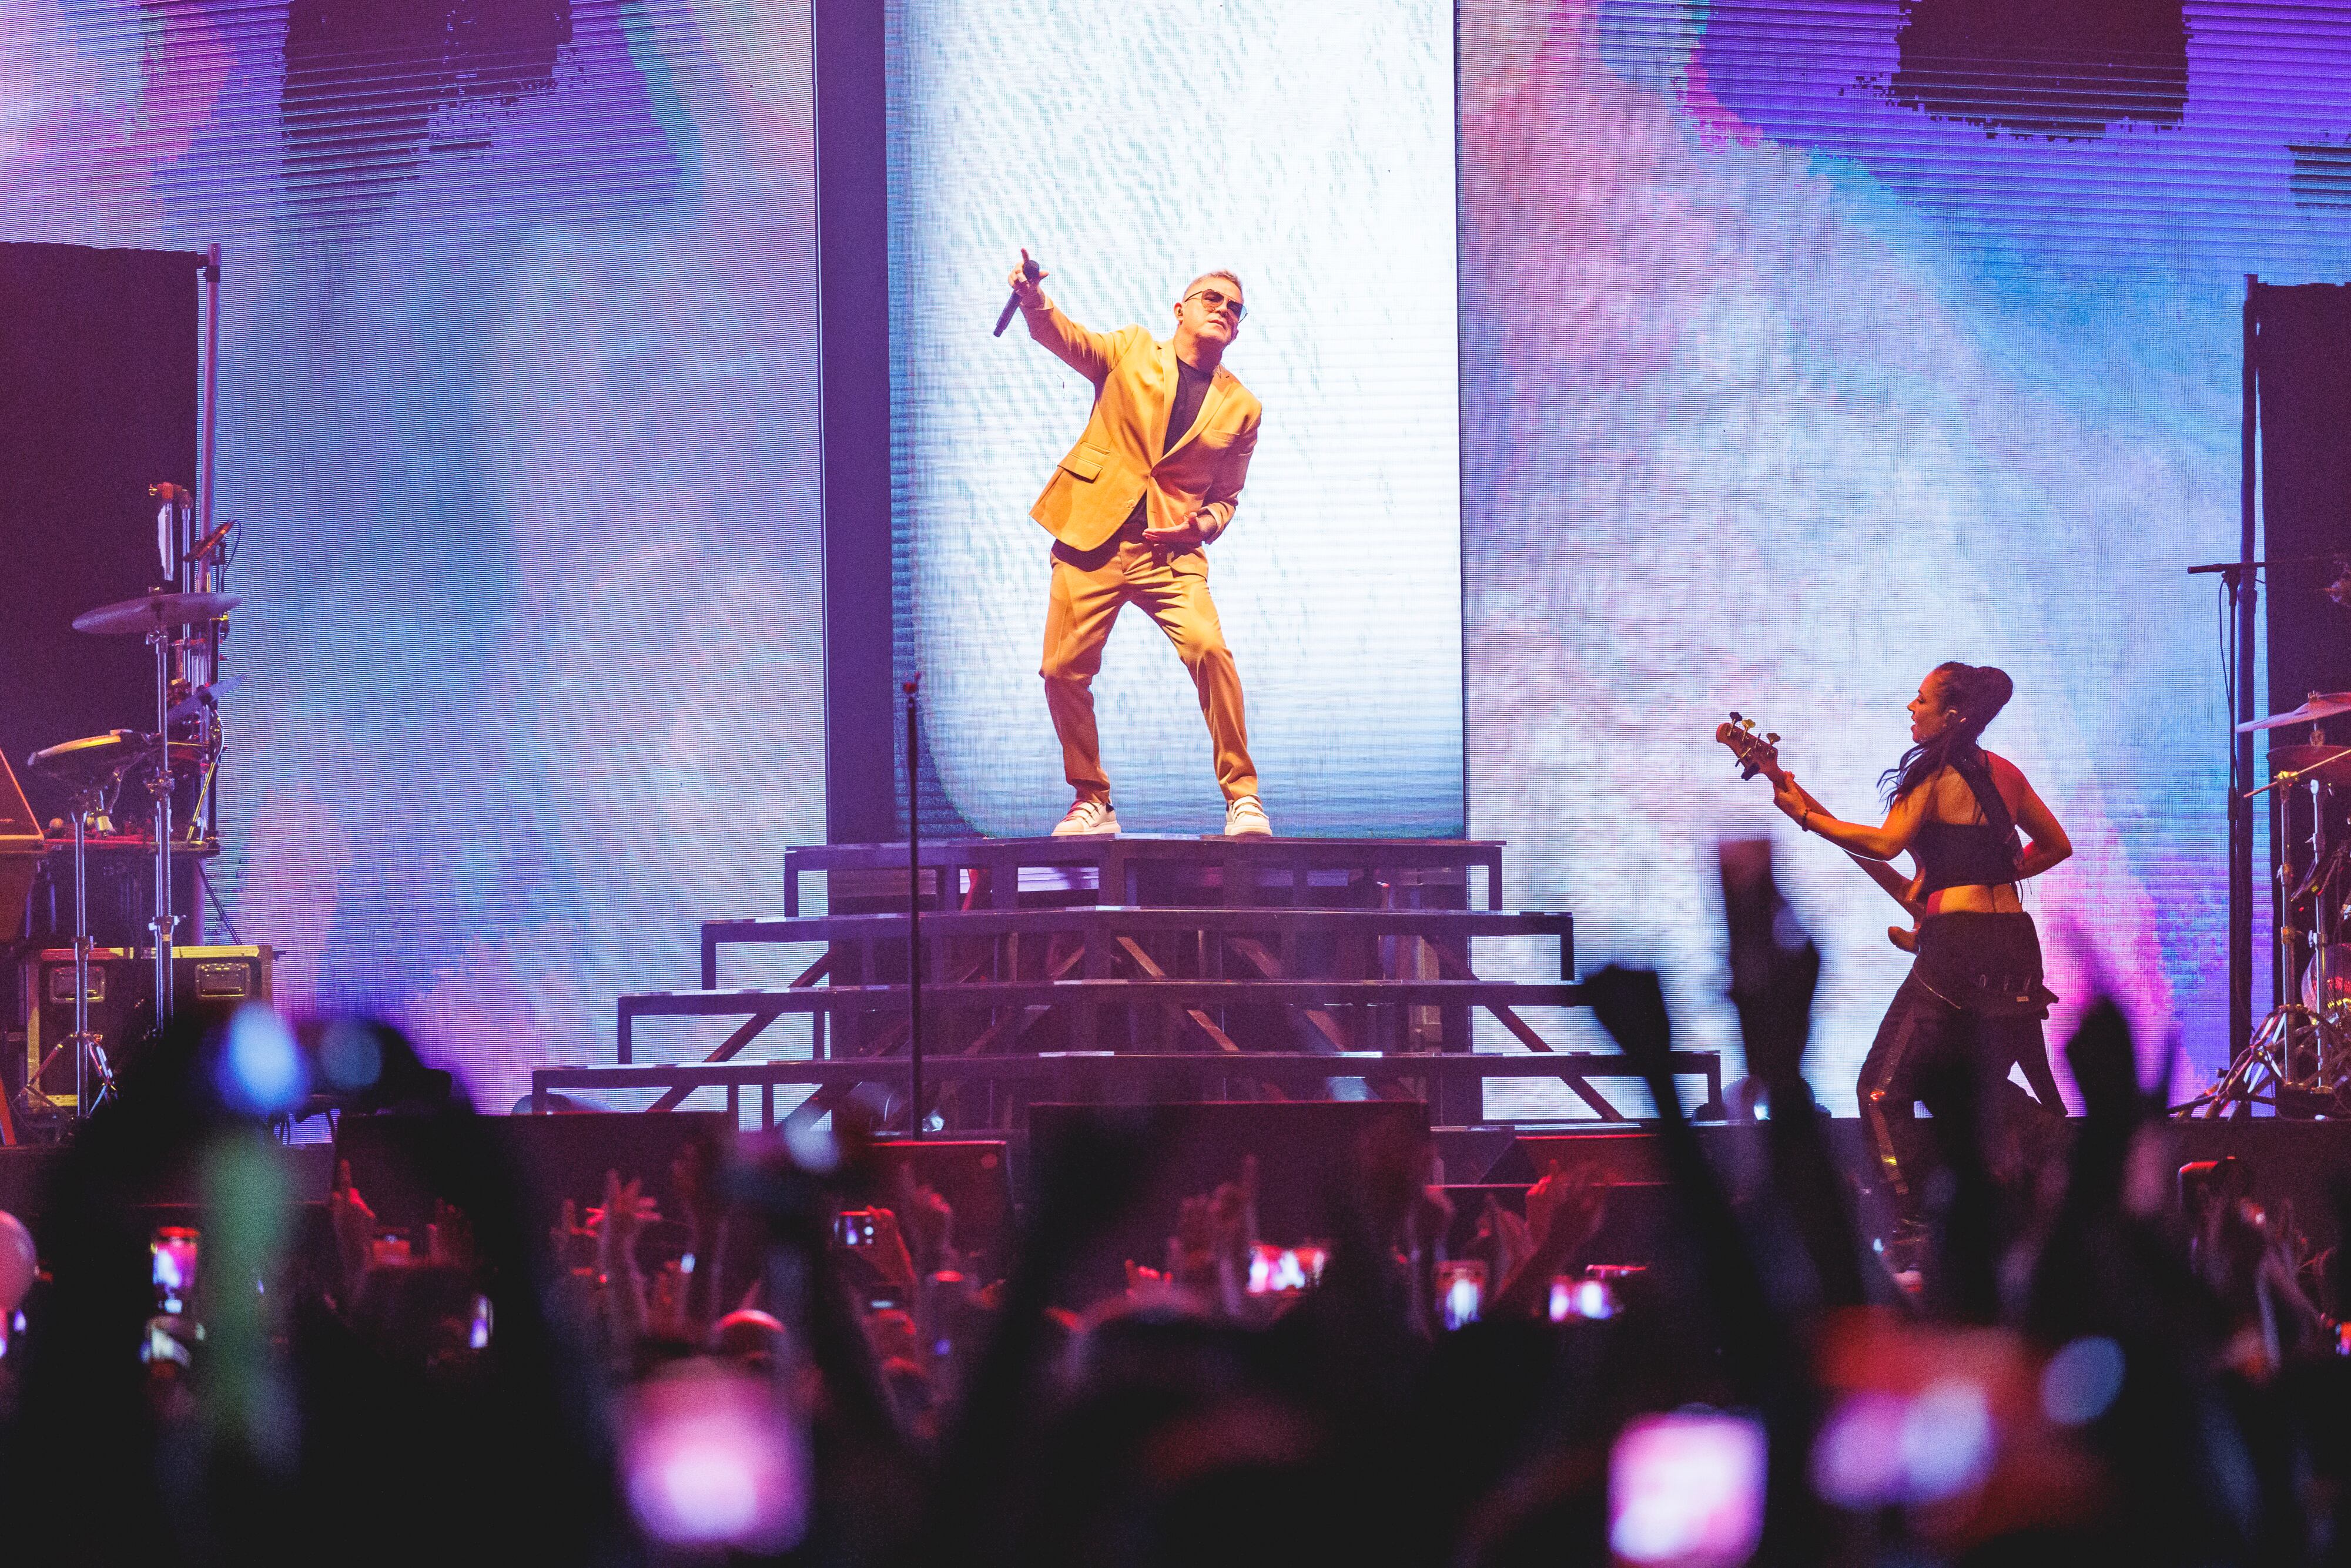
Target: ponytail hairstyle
{"x":1975,"y":694}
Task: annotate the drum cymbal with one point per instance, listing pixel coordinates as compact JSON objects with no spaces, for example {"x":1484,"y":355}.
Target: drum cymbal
{"x":96,"y":754}
{"x":162,"y":611}
{"x":91,"y":754}
{"x":2321,"y":704}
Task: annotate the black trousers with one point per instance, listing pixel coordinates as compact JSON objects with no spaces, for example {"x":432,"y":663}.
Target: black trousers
{"x":1922,"y":1038}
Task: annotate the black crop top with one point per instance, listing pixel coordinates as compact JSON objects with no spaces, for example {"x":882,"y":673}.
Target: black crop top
{"x":1963,"y":854}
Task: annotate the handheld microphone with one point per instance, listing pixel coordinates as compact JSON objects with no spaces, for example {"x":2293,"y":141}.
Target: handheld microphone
{"x":1030,"y":270}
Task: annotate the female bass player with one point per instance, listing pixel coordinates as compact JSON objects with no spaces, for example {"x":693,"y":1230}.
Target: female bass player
{"x":1975,"y":985}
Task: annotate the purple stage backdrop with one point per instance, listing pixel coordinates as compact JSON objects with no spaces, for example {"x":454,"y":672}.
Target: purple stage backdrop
{"x":517,"y":408}
{"x":1806,"y":345}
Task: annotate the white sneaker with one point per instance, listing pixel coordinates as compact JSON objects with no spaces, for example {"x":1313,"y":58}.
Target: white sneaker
{"x":1245,"y":818}
{"x":1088,"y":819}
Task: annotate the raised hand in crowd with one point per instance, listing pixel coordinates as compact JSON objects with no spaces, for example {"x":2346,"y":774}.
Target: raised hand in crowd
{"x":1565,"y":1212}
{"x":889,"y":1256}
{"x":572,"y":1243}
{"x":449,"y":1237}
{"x":1502,"y":1240}
{"x":927,"y":1222}
{"x":1776,"y":969}
{"x":702,"y":1266}
{"x":1564,"y":1208}
{"x":615,"y":1224}
{"x":354,"y":1225}
{"x":1224,"y":1223}
{"x":1631,"y":1006}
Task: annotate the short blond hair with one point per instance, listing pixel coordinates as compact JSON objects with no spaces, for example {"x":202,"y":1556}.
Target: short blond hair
{"x":1232,"y":277}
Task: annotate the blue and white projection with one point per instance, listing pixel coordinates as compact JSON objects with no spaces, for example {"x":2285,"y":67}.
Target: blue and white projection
{"x":1131,"y":147}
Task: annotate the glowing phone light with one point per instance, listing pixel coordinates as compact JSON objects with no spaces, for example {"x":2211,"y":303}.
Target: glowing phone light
{"x":711,"y":1458}
{"x":1879,"y":1448}
{"x":1686,"y":1490}
{"x":1857,"y":1458}
{"x":1947,"y":1440}
{"x":1460,"y":1290}
{"x":260,"y":1069}
{"x":2081,"y":1381}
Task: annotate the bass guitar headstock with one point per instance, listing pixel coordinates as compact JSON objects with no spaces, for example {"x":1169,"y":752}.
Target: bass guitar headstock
{"x":1754,"y":753}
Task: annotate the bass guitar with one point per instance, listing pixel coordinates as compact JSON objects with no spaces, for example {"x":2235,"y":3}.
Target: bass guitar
{"x":1759,"y":753}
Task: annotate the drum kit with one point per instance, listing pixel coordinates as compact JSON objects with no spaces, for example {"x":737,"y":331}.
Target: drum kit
{"x":180,"y":758}
{"x":2298,"y":1060}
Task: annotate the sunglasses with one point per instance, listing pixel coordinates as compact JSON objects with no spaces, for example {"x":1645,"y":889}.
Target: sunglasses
{"x":1218,"y":300}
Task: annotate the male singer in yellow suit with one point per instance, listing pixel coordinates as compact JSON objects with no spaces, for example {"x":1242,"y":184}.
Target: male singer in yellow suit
{"x":1157,"y":476}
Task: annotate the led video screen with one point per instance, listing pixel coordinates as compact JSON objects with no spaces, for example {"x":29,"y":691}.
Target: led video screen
{"x":1624,"y":361}
{"x":1131,"y":147}
{"x":517,"y":410}
{"x":1808,"y":346}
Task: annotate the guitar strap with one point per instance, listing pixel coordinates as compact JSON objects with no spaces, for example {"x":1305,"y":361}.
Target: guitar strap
{"x":1972,"y":768}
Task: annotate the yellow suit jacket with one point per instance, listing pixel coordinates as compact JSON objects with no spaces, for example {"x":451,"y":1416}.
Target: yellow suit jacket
{"x":1118,"y":460}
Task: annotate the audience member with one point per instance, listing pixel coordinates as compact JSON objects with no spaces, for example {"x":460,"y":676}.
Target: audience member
{"x":2082,"y":1360}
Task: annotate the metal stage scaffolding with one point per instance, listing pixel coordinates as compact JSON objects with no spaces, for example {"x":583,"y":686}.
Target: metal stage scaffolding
{"x":1224,"y":969}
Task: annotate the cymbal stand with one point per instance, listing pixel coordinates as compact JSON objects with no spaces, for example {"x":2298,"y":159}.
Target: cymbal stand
{"x":2263,"y":1072}
{"x":88,"y":1052}
{"x":159,"y":785}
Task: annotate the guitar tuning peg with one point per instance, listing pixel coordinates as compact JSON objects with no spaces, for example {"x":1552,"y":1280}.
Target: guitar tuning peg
{"x":1734,"y":715}
{"x":1748,"y":724}
{"x":1771,"y":739}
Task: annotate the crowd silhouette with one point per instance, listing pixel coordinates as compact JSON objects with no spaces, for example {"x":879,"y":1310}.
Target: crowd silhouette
{"x":2094,"y":1354}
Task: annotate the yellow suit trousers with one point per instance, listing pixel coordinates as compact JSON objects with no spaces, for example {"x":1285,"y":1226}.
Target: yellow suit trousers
{"x":1090,"y":588}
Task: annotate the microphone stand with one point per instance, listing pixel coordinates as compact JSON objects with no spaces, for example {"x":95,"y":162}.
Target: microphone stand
{"x":159,"y":786}
{"x":914,"y":917}
{"x":2241,"y":585}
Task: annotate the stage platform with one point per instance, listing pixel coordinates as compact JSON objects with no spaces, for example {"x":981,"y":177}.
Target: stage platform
{"x":1094,"y":923}
{"x":1149,"y":869}
{"x":1118,"y":966}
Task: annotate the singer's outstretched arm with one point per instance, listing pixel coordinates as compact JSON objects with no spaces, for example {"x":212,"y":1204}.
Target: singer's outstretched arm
{"x":1085,"y":351}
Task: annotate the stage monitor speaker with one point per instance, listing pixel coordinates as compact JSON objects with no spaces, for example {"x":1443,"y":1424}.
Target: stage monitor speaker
{"x":28,"y":1176}
{"x":2302,"y":365}
{"x":1738,"y":1151}
{"x":2298,"y":349}
{"x":121,"y":985}
{"x":975,"y":1177}
{"x":98,"y":376}
{"x":1309,"y":1152}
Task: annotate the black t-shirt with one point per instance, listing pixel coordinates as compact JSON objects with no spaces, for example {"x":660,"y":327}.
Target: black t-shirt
{"x":1191,"y":391}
